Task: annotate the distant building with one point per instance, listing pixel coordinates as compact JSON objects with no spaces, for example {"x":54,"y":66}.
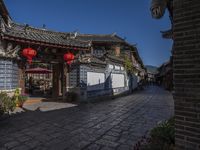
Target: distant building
{"x":151,"y":74}
{"x":151,"y":77}
{"x":165,"y":75}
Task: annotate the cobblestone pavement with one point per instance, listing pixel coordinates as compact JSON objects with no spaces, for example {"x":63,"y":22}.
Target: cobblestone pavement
{"x":112,"y":124}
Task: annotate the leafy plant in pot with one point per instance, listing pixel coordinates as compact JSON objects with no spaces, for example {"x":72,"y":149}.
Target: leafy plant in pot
{"x":19,"y":98}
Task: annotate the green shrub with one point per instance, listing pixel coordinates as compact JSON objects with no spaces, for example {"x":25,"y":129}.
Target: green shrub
{"x":7,"y":104}
{"x":162,"y":137}
{"x":128,"y":65}
{"x":1,"y":109}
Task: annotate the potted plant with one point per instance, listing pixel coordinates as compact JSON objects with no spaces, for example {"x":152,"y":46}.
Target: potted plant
{"x":19,"y":98}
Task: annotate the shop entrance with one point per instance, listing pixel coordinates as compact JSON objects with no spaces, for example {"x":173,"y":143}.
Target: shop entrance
{"x":38,"y":80}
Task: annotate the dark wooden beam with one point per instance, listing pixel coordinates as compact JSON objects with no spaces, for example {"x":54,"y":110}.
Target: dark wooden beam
{"x":20,"y":40}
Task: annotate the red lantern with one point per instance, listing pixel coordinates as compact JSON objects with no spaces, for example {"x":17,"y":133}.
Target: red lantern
{"x":29,"y":53}
{"x":68,"y":57}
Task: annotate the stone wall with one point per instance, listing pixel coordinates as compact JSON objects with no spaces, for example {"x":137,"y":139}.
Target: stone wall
{"x":187,"y":73}
{"x":8,"y":75}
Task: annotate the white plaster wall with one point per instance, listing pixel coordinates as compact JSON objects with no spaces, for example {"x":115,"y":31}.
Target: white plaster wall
{"x":117,"y":80}
{"x":95,"y":81}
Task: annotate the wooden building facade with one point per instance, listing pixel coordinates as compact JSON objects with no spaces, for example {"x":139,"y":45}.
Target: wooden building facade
{"x":102,"y":72}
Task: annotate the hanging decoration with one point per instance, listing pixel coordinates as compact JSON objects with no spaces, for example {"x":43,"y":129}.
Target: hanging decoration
{"x":29,"y":53}
{"x":68,"y":57}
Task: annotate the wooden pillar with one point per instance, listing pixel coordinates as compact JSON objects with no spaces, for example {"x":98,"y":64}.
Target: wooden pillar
{"x":60,"y":70}
{"x":64,"y":80}
{"x":56,"y":74}
{"x":67,"y":78}
{"x":21,"y":81}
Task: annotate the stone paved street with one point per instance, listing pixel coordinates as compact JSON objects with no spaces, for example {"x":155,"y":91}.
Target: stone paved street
{"x":112,"y":124}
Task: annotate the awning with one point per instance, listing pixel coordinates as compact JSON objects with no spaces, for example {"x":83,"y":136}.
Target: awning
{"x":38,"y":71}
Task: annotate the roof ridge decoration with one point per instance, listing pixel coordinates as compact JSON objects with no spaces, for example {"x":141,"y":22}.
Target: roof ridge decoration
{"x":114,"y":34}
{"x":90,"y":34}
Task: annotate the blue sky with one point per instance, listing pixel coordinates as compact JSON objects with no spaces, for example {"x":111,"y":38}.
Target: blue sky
{"x":130,"y":19}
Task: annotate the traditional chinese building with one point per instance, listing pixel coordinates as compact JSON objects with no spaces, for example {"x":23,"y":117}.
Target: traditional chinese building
{"x":151,"y":74}
{"x":96,"y":66}
{"x":50,"y":47}
{"x":102,"y":72}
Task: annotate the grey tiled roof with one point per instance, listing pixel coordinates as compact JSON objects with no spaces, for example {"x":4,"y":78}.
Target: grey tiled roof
{"x":97,"y":61}
{"x":115,"y":58}
{"x":43,"y":35}
{"x":100,"y":38}
{"x":88,"y":58}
